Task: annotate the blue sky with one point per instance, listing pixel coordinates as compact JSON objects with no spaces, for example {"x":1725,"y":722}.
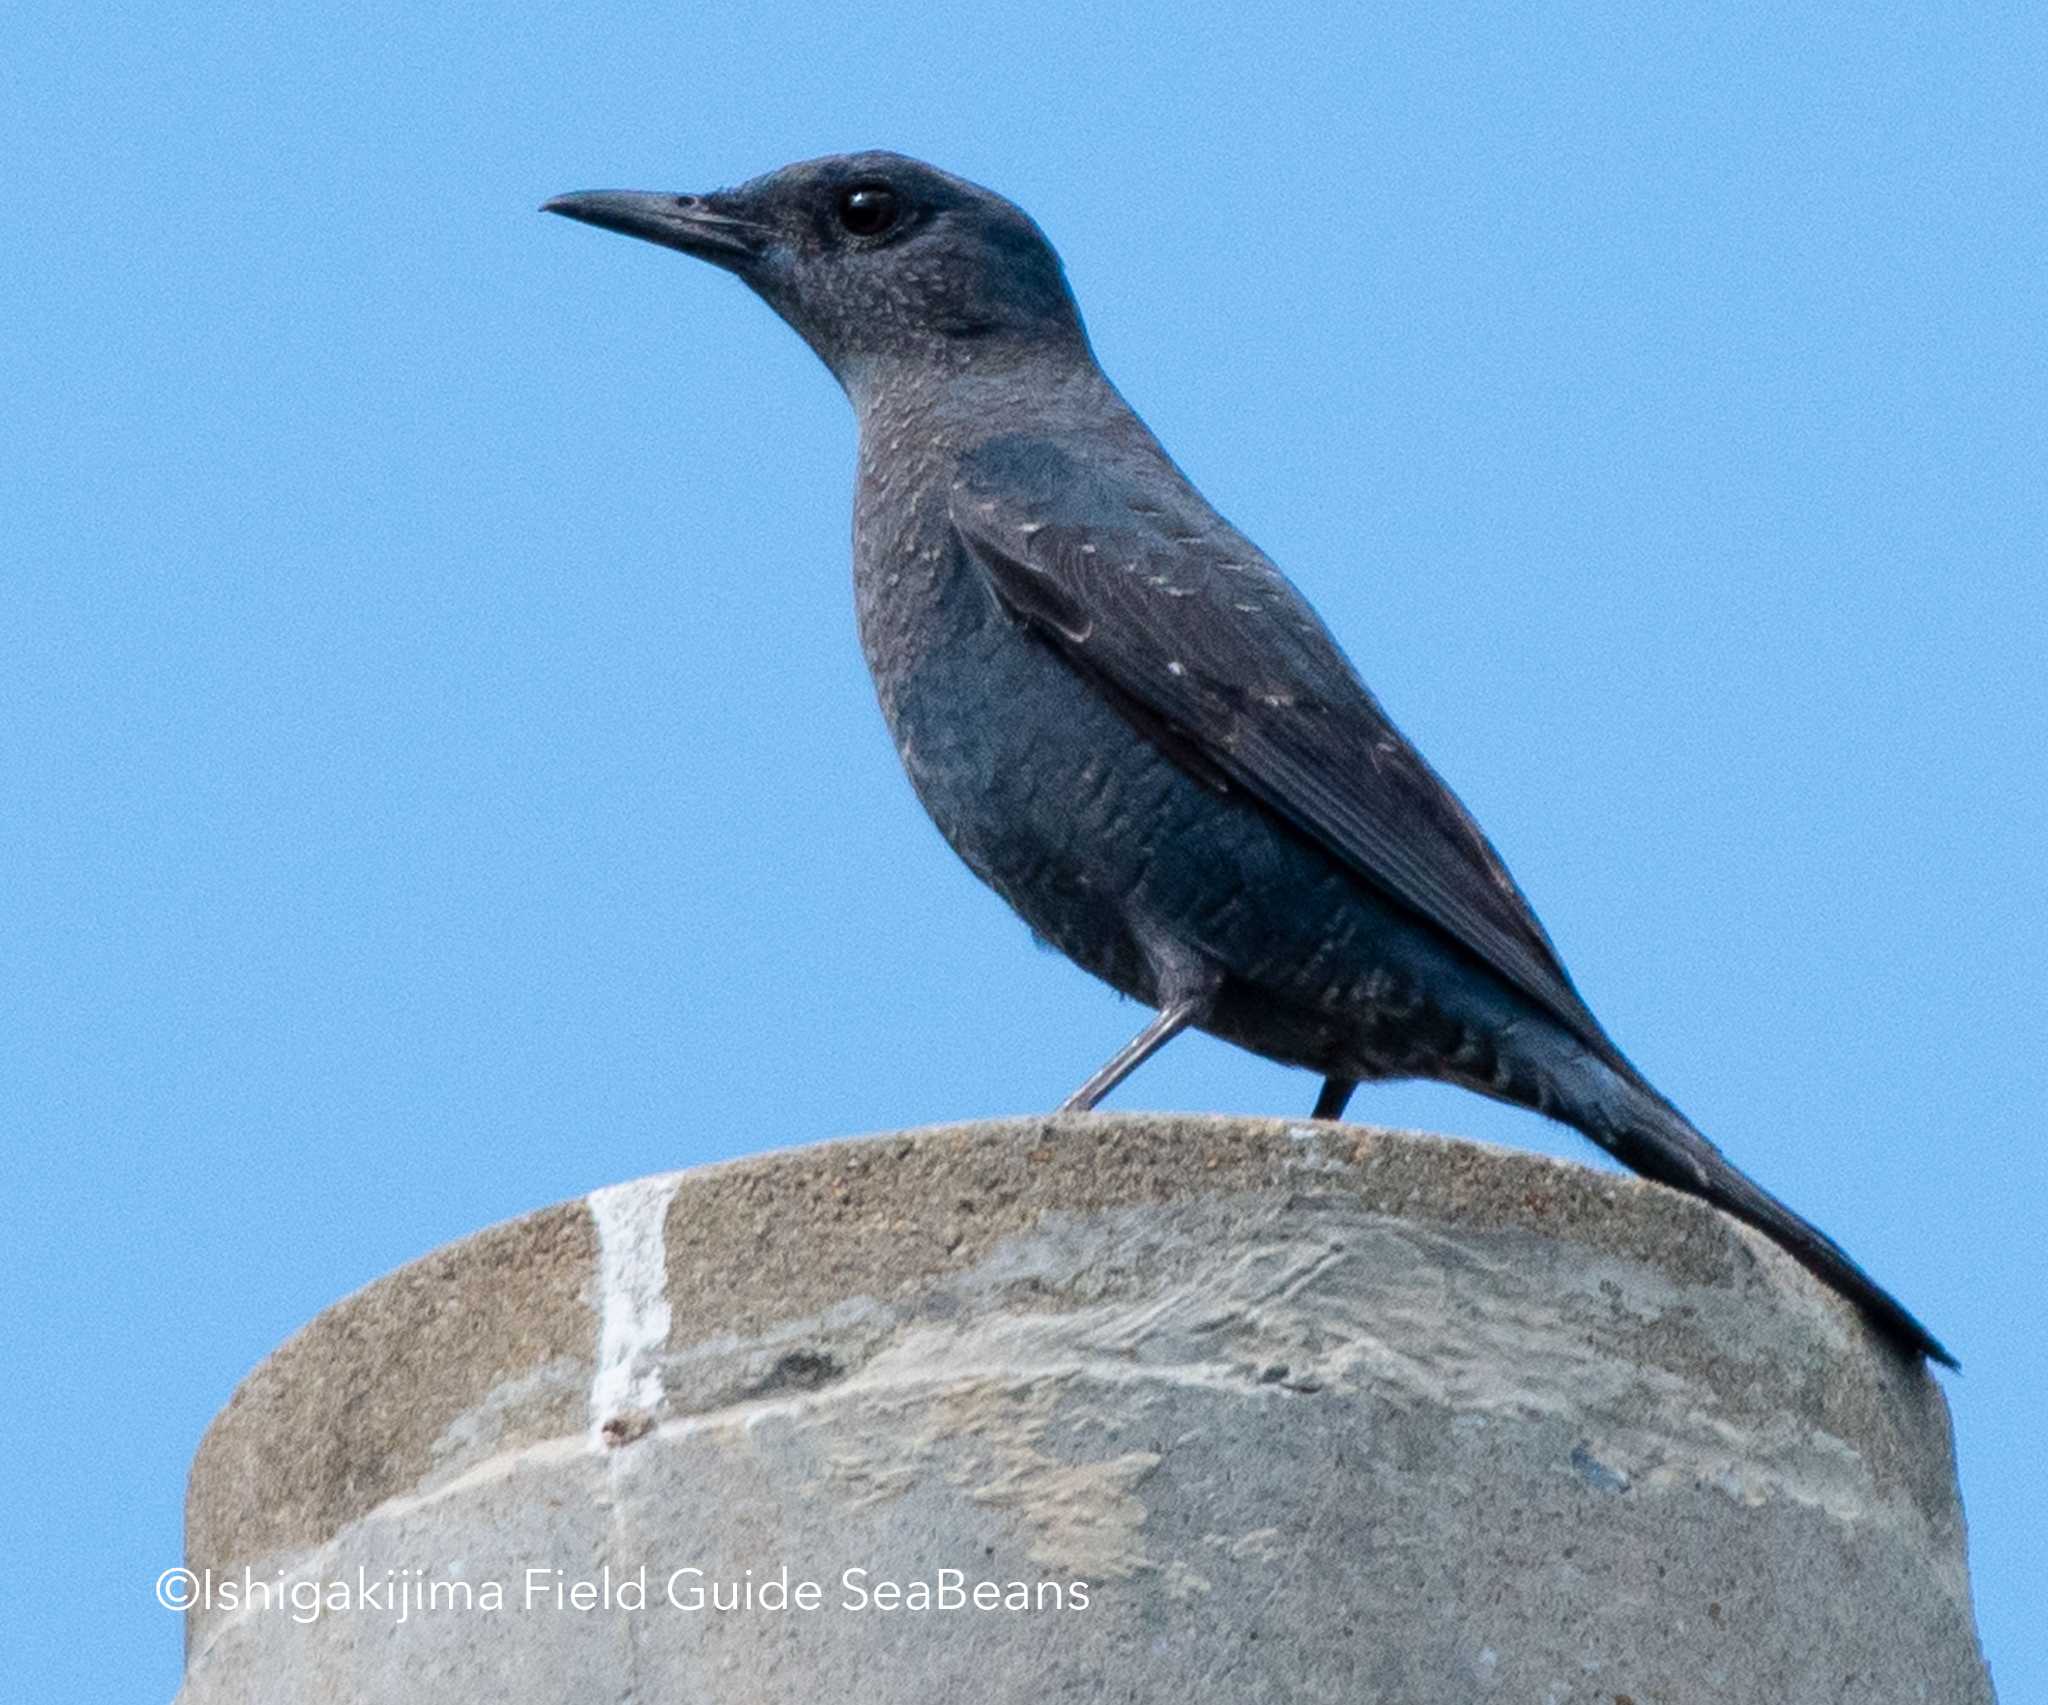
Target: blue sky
{"x":437,"y":775}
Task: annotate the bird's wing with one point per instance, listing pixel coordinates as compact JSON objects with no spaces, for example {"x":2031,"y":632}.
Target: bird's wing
{"x":1214,"y":655}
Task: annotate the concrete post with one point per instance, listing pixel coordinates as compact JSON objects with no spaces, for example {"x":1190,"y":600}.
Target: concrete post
{"x":1094,"y":1408}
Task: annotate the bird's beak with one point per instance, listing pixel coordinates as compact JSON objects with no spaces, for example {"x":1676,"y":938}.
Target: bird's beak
{"x":696,"y":224}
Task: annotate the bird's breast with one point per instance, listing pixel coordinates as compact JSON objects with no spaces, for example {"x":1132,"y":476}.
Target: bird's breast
{"x":1033,"y":779}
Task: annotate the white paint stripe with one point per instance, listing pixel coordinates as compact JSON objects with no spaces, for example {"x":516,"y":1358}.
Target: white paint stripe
{"x":632,"y":1264}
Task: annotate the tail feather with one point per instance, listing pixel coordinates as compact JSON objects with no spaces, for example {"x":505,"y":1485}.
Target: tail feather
{"x":1646,"y":1133}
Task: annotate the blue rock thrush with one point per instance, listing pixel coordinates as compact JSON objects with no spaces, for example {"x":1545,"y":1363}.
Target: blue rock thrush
{"x":1127,"y":721}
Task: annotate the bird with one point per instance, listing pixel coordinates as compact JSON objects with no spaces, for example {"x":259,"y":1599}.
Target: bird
{"x":1128,"y":722}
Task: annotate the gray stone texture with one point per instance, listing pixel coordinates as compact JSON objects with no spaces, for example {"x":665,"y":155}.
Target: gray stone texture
{"x":1303,"y":1412}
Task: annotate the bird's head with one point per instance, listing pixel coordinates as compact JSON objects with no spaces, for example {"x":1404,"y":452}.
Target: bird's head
{"x":876,"y":259}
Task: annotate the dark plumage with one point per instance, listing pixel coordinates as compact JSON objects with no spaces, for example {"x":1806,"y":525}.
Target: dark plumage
{"x":1127,"y":721}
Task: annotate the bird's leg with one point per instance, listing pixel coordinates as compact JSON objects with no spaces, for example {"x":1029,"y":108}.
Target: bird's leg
{"x":1172,"y":1020}
{"x":1186,"y":1000}
{"x":1334,"y":1098}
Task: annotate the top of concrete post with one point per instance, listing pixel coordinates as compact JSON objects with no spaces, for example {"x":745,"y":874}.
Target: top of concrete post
{"x":1645,"y":1341}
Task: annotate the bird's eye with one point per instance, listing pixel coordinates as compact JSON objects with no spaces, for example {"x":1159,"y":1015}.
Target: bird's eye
{"x":867,"y":210}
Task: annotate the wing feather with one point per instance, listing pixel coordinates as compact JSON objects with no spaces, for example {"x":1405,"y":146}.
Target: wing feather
{"x":1215,"y":656}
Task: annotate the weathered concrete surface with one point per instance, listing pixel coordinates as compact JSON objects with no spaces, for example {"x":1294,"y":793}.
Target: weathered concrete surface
{"x":1302,"y":1413}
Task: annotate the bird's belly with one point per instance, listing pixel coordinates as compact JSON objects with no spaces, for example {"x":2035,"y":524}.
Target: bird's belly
{"x":1108,"y":849}
{"x":1042,"y":789}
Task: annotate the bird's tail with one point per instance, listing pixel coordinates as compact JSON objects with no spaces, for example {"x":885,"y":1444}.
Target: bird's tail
{"x":1646,"y":1133}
